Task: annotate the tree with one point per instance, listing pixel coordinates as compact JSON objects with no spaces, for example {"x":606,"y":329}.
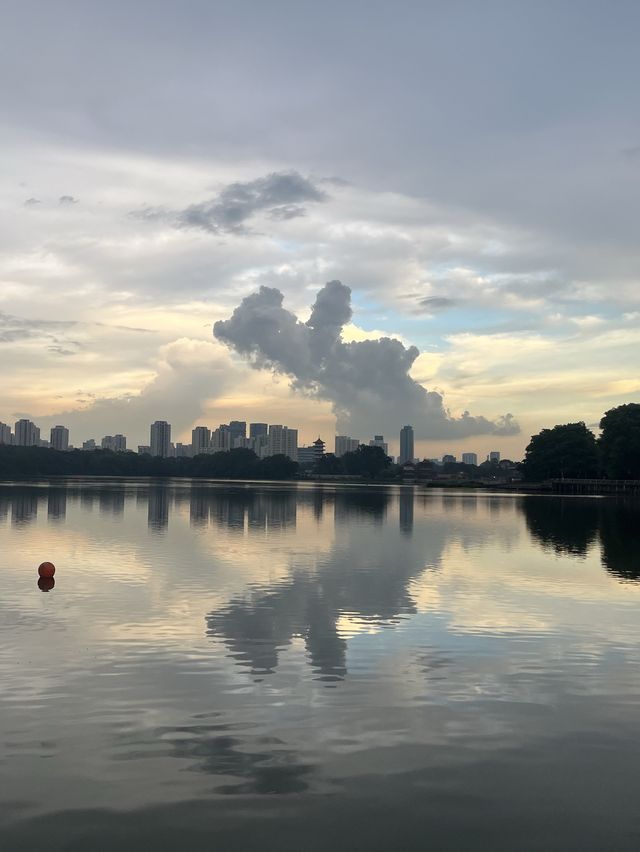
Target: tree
{"x":329,"y":464}
{"x":369,"y":462}
{"x":565,"y":451}
{"x":620,"y":441}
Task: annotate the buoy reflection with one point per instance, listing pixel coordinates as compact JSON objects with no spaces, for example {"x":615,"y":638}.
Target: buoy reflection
{"x":45,"y":584}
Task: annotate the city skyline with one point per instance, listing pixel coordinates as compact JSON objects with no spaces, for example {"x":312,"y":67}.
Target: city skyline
{"x":264,"y":439}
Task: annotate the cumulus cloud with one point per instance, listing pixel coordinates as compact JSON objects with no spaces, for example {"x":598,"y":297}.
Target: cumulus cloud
{"x":65,"y":200}
{"x":188,"y":372}
{"x":368,"y":382}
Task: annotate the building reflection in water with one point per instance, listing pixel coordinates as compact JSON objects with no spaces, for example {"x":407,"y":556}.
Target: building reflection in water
{"x":24,"y":506}
{"x":158,"y":507}
{"x":88,"y":498}
{"x":111,"y":500}
{"x":246,"y":508}
{"x":406,"y":501}
{"x":4,"y":507}
{"x":56,"y":504}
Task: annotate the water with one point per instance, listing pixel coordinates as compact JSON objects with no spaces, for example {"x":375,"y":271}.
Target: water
{"x":244,"y":667}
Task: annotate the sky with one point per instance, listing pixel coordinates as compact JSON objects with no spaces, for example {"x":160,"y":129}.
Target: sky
{"x":469,"y":173}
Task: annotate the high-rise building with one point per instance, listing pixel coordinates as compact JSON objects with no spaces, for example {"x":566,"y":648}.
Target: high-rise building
{"x":379,"y":441}
{"x":59,"y":438}
{"x":119,"y":443}
{"x":345,"y":444}
{"x":448,"y":459}
{"x":26,"y":433}
{"x":5,"y":434}
{"x":89,"y":445}
{"x":108,"y":443}
{"x":200,"y":440}
{"x":144,"y":450}
{"x":470,"y":458}
{"x":259,"y":444}
{"x":183,"y":451}
{"x":238,"y":432}
{"x":258,"y":429}
{"x":283,"y":441}
{"x":160,"y":438}
{"x":494,"y":456}
{"x":220,"y":439}
{"x":406,"y":445}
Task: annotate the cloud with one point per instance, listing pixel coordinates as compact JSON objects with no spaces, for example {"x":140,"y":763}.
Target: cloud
{"x":188,"y":373}
{"x":368,"y":382}
{"x":278,"y":193}
{"x":32,"y":202}
{"x":67,"y":200}
{"x":437,"y":303}
{"x":14,"y":329}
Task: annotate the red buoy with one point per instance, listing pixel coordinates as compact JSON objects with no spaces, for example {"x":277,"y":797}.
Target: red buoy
{"x":47,"y":569}
{"x":45,"y":584}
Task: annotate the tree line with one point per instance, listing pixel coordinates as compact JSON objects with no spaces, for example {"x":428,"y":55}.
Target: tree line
{"x":19,"y":462}
{"x":572,"y":451}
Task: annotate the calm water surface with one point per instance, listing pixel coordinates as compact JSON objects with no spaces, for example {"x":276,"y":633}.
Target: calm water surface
{"x":264,"y":667}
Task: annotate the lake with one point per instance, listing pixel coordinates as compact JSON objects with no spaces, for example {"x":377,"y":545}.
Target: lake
{"x":307,"y":667}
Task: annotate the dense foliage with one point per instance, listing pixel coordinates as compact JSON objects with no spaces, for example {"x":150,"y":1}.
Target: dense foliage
{"x":368,"y":462}
{"x":569,"y":451}
{"x":620,"y":441}
{"x":17,"y":462}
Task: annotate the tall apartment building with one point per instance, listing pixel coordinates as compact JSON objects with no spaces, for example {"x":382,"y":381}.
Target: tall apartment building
{"x":494,"y":456}
{"x":59,"y":438}
{"x":26,"y":433}
{"x":406,"y":445}
{"x":470,"y":458}
{"x":345,"y":444}
{"x":259,"y":444}
{"x":379,"y":441}
{"x":256,"y":430}
{"x":5,"y":434}
{"x":115,"y":443}
{"x":220,"y":439}
{"x":89,"y":446}
{"x":237,"y":433}
{"x":160,"y":438}
{"x":200,"y":440}
{"x":283,"y":441}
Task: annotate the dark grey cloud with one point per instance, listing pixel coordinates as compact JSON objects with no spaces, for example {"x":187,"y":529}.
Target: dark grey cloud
{"x":437,"y":303}
{"x":65,"y":200}
{"x":32,"y":202}
{"x":287,"y":211}
{"x":367,"y":382}
{"x":279,"y":194}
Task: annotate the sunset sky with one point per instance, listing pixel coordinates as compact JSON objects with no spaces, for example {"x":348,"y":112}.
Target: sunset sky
{"x":471,"y":171}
